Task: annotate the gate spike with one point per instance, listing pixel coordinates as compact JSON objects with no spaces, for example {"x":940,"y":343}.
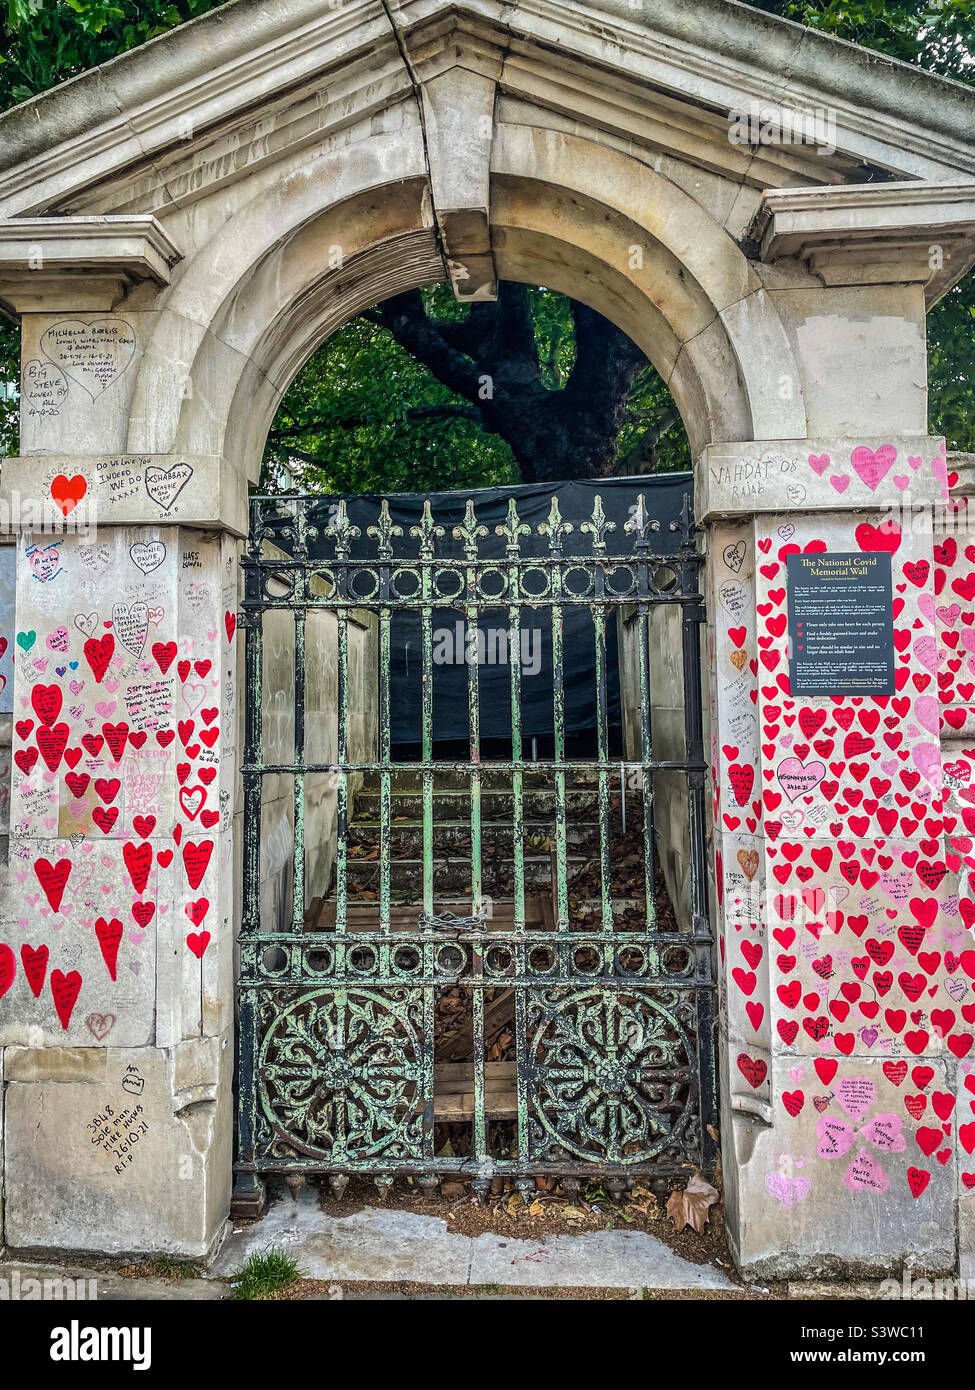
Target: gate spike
{"x":338,"y":1182}
{"x":512,"y":528}
{"x":294,"y":1182}
{"x":342,"y":531}
{"x":555,"y":528}
{"x":640,"y":524}
{"x":427,"y":532}
{"x":598,"y":526}
{"x":470,"y":531}
{"x":384,"y":1183}
{"x":384,"y":531}
{"x":482,"y":1187}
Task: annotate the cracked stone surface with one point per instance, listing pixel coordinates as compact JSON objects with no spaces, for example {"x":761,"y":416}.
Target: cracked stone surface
{"x":379,"y":1244}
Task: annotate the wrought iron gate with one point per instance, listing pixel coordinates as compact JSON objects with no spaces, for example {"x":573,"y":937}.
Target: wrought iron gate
{"x":613,"y":1071}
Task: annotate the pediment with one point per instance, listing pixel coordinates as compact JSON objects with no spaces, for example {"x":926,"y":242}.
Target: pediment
{"x":249,"y":84}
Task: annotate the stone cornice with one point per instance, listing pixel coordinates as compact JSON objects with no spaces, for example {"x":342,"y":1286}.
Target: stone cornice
{"x":876,"y":234}
{"x":711,"y":55}
{"x":80,"y":262}
{"x":136,"y":246}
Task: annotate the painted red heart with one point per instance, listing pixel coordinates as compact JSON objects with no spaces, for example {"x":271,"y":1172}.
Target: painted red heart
{"x":138,"y":861}
{"x":52,"y":878}
{"x":8,"y":968}
{"x":98,"y":653}
{"x":35,"y":967}
{"x":65,"y":990}
{"x":66,"y":493}
{"x":196,"y":857}
{"x":46,"y":702}
{"x":109,"y":936}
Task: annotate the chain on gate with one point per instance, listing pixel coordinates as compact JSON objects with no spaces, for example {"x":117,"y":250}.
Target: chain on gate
{"x":614,"y":1067}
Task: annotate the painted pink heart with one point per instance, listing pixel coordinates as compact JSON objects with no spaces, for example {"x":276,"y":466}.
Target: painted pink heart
{"x":835,"y":1137}
{"x":856,"y":1094}
{"x":927,"y":652}
{"x":797,"y":779}
{"x":927,"y":714}
{"x":872,"y":465}
{"x":885,"y":1132}
{"x":927,"y":760}
{"x":865,"y":1174}
{"x":787,"y":1191}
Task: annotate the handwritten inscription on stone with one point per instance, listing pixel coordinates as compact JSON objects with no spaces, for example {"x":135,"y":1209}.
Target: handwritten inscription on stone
{"x":92,"y":355}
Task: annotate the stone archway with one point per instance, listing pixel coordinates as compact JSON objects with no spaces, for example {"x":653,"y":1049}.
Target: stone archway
{"x":175,"y":255}
{"x":256,"y":302}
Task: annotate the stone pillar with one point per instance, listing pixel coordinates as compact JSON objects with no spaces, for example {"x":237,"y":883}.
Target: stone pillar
{"x":845,"y":961}
{"x":117,"y":927}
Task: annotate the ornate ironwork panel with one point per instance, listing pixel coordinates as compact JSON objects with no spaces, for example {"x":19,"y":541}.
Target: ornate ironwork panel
{"x":603,"y":1060}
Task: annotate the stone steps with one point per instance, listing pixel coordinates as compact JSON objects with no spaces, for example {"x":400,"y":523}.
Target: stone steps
{"x":453,"y":804}
{"x":453,"y":837}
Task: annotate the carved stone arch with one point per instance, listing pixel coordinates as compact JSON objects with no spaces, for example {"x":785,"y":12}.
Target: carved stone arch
{"x":565,"y":212}
{"x":259,"y":260}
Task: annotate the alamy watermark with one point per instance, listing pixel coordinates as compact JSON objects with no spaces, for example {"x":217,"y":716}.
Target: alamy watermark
{"x":23,"y":1287}
{"x":814,"y":126}
{"x":456,"y":646}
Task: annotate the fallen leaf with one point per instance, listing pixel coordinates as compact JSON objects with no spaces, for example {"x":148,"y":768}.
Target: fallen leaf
{"x":690,"y":1207}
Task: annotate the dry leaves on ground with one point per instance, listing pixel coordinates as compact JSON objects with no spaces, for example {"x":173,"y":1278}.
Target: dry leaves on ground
{"x":691,"y":1207}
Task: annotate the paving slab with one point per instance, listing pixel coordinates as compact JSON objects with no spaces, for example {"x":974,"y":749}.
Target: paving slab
{"x":597,"y":1260}
{"x":385,"y":1245}
{"x":106,"y":1287}
{"x":372,"y":1244}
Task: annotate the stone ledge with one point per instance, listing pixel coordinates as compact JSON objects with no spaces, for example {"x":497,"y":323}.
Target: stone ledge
{"x":72,"y":263}
{"x":125,"y":489}
{"x":817,"y":475}
{"x":872,"y":233}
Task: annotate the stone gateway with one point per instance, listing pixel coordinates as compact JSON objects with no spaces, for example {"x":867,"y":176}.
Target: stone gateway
{"x":179,"y":230}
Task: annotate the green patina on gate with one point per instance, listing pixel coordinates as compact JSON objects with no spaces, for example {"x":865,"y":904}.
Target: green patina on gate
{"x":614,"y":1071}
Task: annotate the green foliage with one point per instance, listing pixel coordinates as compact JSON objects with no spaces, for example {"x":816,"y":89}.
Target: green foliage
{"x":266,"y":1273}
{"x":165,"y":1267}
{"x":364,"y":416}
{"x":938,"y":35}
{"x":47,"y":41}
{"x":9,"y":372}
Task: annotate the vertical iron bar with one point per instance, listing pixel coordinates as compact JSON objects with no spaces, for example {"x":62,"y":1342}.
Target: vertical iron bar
{"x":426,"y":707}
{"x":558,"y":724}
{"x":474,"y":735}
{"x":342,"y":791}
{"x":517,"y":753}
{"x":477,"y":1012}
{"x":385,"y":775}
{"x":692,"y":617}
{"x":298,"y":876}
{"x":599,"y":613}
{"x":252,"y":777}
{"x":694,"y":753}
{"x":646,"y":773}
{"x":248,"y":1184}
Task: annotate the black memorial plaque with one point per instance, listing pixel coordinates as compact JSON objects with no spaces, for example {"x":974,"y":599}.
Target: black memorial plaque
{"x":841,"y":624}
